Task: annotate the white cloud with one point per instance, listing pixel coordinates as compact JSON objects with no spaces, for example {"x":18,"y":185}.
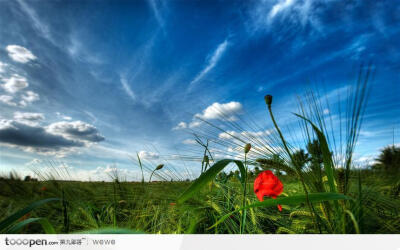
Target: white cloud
{"x":280,"y":7}
{"x":127,"y":89}
{"x":148,"y":155}
{"x":20,"y":54}
{"x":189,"y":142}
{"x":30,"y":96}
{"x":64,"y":117}
{"x":106,"y":173}
{"x":76,"y":130}
{"x":6,"y":99}
{"x":194,"y":124}
{"x":15,"y":84}
{"x":28,"y":118}
{"x":23,"y":103}
{"x":181,"y":125}
{"x":228,"y":135}
{"x":222,"y":111}
{"x":212,"y":62}
{"x":301,"y":13}
{"x":66,"y":171}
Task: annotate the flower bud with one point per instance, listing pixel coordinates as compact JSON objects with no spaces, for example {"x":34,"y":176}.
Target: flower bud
{"x":159,"y":166}
{"x":247,"y":148}
{"x":268,"y":99}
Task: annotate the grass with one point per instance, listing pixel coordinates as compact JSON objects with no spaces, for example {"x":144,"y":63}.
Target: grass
{"x":152,"y":207}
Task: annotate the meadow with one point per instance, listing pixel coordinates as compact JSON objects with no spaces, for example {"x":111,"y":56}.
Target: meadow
{"x":135,"y":207}
{"x":275,"y":187}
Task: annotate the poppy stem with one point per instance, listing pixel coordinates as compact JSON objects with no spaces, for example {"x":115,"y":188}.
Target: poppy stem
{"x":268,"y":100}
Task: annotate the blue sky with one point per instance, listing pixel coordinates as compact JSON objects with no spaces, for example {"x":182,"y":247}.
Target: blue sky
{"x":85,"y":84}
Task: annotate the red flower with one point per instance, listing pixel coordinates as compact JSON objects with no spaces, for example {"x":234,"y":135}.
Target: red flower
{"x":172,"y":204}
{"x":267,"y":184}
{"x":43,"y":189}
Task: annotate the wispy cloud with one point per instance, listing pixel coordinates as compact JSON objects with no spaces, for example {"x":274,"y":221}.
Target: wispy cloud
{"x":264,"y":15}
{"x":212,"y":62}
{"x":280,"y":7}
{"x":157,"y":7}
{"x":127,"y":88}
{"x":41,"y":27}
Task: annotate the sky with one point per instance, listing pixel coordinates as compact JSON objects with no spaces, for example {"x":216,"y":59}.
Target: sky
{"x":87,"y":85}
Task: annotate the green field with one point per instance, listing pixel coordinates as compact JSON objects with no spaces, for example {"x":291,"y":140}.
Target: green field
{"x":153,"y":208}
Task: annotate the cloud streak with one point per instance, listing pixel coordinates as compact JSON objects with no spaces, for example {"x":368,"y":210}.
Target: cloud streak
{"x":41,"y":27}
{"x":212,"y":62}
{"x":155,"y":6}
{"x":127,"y":88}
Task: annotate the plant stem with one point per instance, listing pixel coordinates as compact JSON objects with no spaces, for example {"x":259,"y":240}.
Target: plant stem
{"x":244,"y":213}
{"x":152,"y":174}
{"x":141,"y":167}
{"x":298,"y":170}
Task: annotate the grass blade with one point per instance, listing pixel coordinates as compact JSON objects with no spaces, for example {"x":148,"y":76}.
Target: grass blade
{"x":47,"y":227}
{"x":208,"y":176}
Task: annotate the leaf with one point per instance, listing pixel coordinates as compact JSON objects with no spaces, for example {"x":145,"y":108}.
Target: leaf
{"x":353,"y":219}
{"x":326,"y":155}
{"x":47,"y":227}
{"x":208,"y":176}
{"x":17,"y":227}
{"x":14,"y":217}
{"x":291,"y":200}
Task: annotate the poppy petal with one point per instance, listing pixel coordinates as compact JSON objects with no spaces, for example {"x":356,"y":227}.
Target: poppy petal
{"x":260,"y":195}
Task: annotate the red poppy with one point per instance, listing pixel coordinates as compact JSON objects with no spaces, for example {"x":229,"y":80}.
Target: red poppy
{"x":172,"y":204}
{"x":43,"y":189}
{"x":267,"y":184}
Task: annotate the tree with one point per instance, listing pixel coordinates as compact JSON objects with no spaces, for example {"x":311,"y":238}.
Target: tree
{"x":389,"y":160}
{"x":301,"y":158}
{"x":316,"y":159}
